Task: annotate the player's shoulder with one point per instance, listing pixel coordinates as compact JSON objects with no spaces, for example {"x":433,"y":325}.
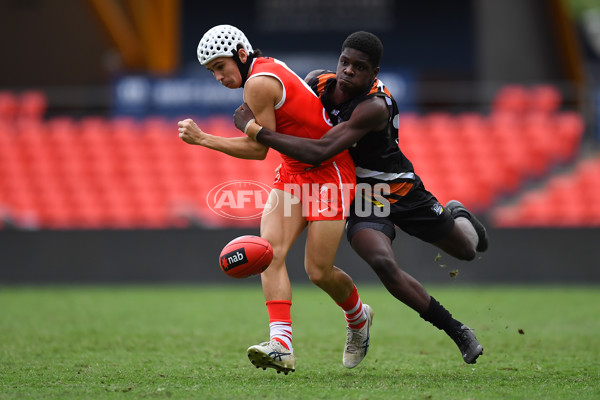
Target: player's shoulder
{"x":262,"y":86}
{"x":315,"y":74}
{"x":372,"y":107}
{"x":262,"y":80}
{"x":319,"y":80}
{"x":379,"y":89}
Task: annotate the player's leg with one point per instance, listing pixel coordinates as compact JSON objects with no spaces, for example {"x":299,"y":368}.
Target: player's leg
{"x":459,"y":211}
{"x":461,"y":242}
{"x":375,"y":247}
{"x":281,"y":226}
{"x":327,"y":193}
{"x":468,"y":235}
{"x":322,"y":241}
{"x":420,"y":215}
{"x":453,"y":228}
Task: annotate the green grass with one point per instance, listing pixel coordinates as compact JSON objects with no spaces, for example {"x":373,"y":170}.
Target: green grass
{"x":190,"y":342}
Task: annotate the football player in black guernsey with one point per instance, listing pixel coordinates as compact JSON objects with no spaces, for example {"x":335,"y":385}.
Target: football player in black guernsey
{"x":365,"y":116}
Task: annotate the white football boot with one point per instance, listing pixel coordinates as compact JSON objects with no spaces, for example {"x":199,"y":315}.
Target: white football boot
{"x":357,"y":341}
{"x":272,"y":355}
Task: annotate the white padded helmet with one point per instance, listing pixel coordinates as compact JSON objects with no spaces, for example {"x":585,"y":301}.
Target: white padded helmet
{"x":219,"y":41}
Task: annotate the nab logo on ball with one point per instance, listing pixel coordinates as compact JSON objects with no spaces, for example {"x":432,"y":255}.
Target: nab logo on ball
{"x":246,"y":256}
{"x":233,"y":259}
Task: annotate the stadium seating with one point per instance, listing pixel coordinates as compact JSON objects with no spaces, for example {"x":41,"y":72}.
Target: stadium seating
{"x":126,"y":173}
{"x":480,"y":158}
{"x":118,"y":173}
{"x":568,"y":200}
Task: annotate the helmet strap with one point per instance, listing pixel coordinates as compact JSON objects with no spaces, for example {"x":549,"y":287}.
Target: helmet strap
{"x":243,"y":67}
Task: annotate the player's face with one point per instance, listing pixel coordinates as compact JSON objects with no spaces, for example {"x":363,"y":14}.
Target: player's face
{"x":354,"y":72}
{"x":226,"y":71}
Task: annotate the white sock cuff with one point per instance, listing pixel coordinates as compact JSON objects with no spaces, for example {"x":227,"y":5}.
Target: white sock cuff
{"x":282,"y":331}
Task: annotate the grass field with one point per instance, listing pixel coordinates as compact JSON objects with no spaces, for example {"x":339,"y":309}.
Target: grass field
{"x":190,"y":342}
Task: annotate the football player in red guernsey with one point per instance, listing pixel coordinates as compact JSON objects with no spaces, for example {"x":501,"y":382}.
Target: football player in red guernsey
{"x":282,"y":101}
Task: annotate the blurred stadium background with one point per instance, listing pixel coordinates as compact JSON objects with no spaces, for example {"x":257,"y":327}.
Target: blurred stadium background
{"x":500,"y":109}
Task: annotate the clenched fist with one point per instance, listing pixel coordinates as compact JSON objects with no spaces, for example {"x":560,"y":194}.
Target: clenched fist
{"x":190,"y":133}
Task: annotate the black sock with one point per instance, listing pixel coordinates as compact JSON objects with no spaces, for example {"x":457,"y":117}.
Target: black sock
{"x":441,"y":318}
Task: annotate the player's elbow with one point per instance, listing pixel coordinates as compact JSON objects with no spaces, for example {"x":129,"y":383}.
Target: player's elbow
{"x":257,"y":151}
{"x":315,"y":159}
{"x":321,"y":154}
{"x":259,"y":155}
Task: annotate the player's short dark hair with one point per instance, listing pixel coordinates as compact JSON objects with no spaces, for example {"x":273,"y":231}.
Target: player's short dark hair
{"x":255,"y":52}
{"x":366,"y":42}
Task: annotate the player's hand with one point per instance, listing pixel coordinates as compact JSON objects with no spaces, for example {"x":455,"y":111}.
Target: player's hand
{"x":242,"y":116}
{"x":190,"y":133}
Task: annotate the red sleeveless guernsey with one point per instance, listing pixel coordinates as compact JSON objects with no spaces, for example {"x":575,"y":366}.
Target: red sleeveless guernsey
{"x":326,"y":191}
{"x":300,"y":112}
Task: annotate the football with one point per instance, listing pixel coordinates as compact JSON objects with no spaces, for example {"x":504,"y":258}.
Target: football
{"x":246,"y":256}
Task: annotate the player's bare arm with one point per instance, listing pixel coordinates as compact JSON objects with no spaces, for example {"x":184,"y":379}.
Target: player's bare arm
{"x":371,"y":114}
{"x":261,"y":94}
{"x":239,"y":147}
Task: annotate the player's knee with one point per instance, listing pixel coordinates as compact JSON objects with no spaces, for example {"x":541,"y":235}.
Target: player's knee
{"x":467,"y":253}
{"x":316,"y":276}
{"x":277,"y":258}
{"x":383,"y":264}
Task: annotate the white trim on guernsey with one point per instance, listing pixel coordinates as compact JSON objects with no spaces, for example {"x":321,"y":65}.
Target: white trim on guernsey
{"x":383,"y":176}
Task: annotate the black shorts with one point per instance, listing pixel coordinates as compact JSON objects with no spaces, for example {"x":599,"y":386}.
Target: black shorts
{"x":418,"y":213}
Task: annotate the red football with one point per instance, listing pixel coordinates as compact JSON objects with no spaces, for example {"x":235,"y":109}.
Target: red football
{"x":246,"y":256}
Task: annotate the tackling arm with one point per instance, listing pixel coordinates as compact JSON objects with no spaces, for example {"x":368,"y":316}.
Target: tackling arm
{"x":310,"y":151}
{"x":371,"y":114}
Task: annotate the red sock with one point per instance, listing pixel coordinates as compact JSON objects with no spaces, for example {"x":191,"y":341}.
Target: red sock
{"x":353,"y":309}
{"x":280,"y":321}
